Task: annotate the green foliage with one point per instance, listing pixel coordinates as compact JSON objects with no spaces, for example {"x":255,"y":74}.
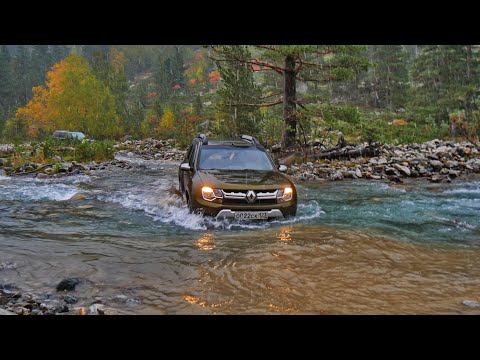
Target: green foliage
{"x":445,"y":78}
{"x":236,"y":111}
{"x":94,"y":150}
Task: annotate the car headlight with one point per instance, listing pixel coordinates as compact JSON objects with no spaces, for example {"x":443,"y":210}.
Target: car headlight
{"x":285,"y":194}
{"x":210,"y":194}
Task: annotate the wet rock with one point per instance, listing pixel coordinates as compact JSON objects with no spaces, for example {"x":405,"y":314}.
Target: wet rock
{"x":395,"y":179}
{"x":471,"y":303}
{"x":68,"y":284}
{"x":62,"y":309}
{"x":5,"y":312}
{"x":403,"y":169}
{"x":69,"y":299}
{"x":96,"y":309}
{"x":382,"y":161}
{"x":392,"y":171}
{"x":349,"y":175}
{"x":451,"y":163}
{"x":85,"y":207}
{"x":358,"y":173}
{"x":436,"y":165}
{"x":440,"y":178}
{"x":9,"y":265}
{"x":42,"y":176}
{"x":78,"y":197}
{"x":336,"y":176}
{"x":133,"y":302}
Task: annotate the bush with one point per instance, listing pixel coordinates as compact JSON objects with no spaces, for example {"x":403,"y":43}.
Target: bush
{"x":94,"y":150}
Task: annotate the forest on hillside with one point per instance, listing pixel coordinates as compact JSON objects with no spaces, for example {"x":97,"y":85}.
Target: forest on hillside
{"x":289,"y":94}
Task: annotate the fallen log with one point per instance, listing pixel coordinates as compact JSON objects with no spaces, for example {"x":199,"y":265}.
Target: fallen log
{"x":31,"y":172}
{"x":345,"y":153}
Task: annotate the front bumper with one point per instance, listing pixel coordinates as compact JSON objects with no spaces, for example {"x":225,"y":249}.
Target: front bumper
{"x":227,"y":213}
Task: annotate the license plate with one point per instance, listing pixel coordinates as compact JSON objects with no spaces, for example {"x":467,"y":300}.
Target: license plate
{"x":241,"y":215}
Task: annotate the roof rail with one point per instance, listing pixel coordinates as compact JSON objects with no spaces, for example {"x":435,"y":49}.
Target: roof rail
{"x":252,"y":140}
{"x":204,"y":138}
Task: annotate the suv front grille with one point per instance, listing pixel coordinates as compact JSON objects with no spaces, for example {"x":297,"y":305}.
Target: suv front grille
{"x":250,"y":197}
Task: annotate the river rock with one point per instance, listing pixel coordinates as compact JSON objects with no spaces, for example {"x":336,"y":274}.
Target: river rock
{"x":382,"y":161}
{"x":68,"y":284}
{"x":471,"y":303}
{"x":336,"y":176}
{"x":5,"y":312}
{"x":69,"y":299}
{"x":440,"y":178}
{"x":96,"y":309}
{"x":437,"y":165}
{"x":403,"y":169}
{"x":78,"y":197}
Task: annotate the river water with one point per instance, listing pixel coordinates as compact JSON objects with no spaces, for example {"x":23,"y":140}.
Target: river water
{"x":356,"y":247}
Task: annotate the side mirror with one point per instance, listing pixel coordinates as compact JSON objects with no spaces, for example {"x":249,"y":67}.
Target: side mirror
{"x":185,"y":167}
{"x":282,"y":168}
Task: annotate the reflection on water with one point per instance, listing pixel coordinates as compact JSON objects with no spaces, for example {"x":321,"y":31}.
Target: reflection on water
{"x":354,"y":248}
{"x":205,"y":242}
{"x":284,"y":234}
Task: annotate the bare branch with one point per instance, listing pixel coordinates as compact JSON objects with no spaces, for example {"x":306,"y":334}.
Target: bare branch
{"x":279,"y":101}
{"x":266,"y":47}
{"x":267,"y":96}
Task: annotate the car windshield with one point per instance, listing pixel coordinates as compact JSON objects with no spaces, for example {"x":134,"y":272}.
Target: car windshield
{"x":77,"y":135}
{"x":233,"y":158}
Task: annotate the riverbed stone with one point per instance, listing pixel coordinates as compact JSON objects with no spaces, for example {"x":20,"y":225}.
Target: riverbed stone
{"x":336,"y":176}
{"x":471,"y":303}
{"x":403,"y":169}
{"x":437,"y":165}
{"x":68,"y":284}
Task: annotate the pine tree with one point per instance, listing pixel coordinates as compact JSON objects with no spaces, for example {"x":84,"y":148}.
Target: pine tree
{"x":163,"y":79}
{"x":59,"y":52}
{"x":238,"y":94}
{"x":389,"y":75}
{"x":444,"y":79}
{"x":198,"y":106}
{"x":21,"y":69}
{"x":6,"y":84}
{"x":306,"y":63}
{"x":40,"y":63}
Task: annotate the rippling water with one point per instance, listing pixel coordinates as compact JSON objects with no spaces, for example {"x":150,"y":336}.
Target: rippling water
{"x":356,"y":247}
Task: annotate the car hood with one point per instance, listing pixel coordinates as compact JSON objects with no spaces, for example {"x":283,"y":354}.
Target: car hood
{"x":243,"y":180}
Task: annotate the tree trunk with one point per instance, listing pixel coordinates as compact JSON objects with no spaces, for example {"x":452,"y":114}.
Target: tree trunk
{"x":289,"y":105}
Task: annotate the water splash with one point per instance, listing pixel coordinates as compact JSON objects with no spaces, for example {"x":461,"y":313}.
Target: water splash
{"x":37,"y":192}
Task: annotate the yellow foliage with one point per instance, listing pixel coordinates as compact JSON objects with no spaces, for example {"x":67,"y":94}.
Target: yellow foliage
{"x":117,"y":59}
{"x":72,"y":99}
{"x":167,"y":121}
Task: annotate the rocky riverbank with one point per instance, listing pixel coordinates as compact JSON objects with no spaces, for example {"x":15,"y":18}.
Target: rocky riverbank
{"x":64,"y":300}
{"x":151,"y":149}
{"x":148,"y":149}
{"x":436,"y":160}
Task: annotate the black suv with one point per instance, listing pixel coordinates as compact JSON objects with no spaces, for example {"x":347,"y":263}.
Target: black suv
{"x":235,"y":179}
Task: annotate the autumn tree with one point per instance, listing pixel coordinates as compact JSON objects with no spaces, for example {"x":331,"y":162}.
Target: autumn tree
{"x":167,"y":123}
{"x":307,"y":63}
{"x":72,"y":99}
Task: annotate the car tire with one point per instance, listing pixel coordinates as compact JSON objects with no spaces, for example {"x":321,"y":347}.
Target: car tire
{"x":189,"y":203}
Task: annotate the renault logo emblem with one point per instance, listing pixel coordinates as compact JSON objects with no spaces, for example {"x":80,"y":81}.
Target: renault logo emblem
{"x":251,"y":196}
